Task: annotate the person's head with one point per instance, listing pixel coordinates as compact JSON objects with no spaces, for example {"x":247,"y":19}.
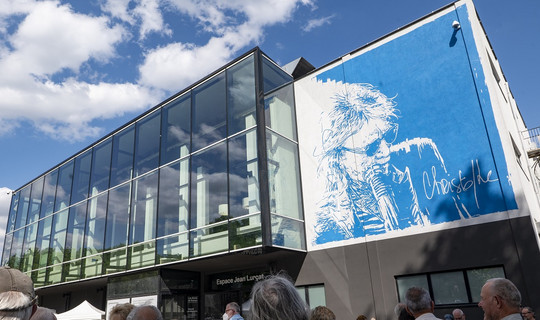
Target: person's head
{"x":120,"y":311}
{"x":401,"y":312}
{"x":231,"y":309}
{"x":458,"y":314}
{"x":448,"y":317}
{"x":17,"y":296}
{"x":361,"y":317}
{"x":418,"y":301}
{"x":146,"y":312}
{"x":322,"y":313}
{"x":527,"y":313}
{"x":276,"y":298}
{"x":43,"y":314}
{"x":499,"y":297}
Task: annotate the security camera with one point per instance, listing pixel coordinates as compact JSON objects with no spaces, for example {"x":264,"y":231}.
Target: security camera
{"x":456,"y":25}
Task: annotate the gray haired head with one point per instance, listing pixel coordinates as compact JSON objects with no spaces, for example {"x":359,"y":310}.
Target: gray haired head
{"x":146,"y":312}
{"x":276,"y":298}
{"x":418,"y":299}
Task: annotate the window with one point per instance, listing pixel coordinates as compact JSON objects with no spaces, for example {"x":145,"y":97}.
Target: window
{"x":452,"y":287}
{"x":209,"y":112}
{"x":313,"y":295}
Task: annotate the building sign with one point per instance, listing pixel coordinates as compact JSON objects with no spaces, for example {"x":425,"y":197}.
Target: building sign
{"x":400,"y":137}
{"x":227,"y":281}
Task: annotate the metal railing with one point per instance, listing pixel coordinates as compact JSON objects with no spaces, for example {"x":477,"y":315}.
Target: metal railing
{"x":532,"y":138}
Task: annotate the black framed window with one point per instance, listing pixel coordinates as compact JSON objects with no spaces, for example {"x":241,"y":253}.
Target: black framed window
{"x":101,"y":167}
{"x":313,"y":295}
{"x":147,"y":143}
{"x":35,"y":200}
{"x":122,"y":156}
{"x":241,"y":95}
{"x":450,"y":287}
{"x":209,"y":112}
{"x":81,"y":177}
{"x":49,"y":193}
{"x":63,"y":189}
{"x":175,"y":129}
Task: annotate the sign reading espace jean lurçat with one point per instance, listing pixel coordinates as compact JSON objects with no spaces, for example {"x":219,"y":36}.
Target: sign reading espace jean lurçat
{"x":395,"y":138}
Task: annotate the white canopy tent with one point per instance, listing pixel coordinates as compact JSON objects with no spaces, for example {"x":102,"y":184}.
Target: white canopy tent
{"x":84,"y":311}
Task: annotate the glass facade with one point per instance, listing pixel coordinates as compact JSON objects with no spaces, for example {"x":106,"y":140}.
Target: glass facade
{"x":212,"y":170}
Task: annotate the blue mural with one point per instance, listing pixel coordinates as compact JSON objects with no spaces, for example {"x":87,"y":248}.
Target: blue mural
{"x":409,"y":138}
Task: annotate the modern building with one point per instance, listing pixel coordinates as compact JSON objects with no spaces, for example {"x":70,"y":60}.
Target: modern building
{"x":404,"y":162}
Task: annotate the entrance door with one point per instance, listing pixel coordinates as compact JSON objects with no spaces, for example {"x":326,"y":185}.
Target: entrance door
{"x":214,"y":304}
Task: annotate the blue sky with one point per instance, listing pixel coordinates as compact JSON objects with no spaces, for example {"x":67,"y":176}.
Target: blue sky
{"x":72,"y":71}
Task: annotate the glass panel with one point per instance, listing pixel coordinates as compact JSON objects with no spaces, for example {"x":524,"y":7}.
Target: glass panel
{"x":118,"y":217}
{"x":175,"y":129}
{"x":404,"y":283}
{"x":283,"y":177}
{"x":72,"y":270}
{"x":209,"y":186}
{"x":49,"y":193}
{"x":54,"y":274}
{"x":288,"y":233}
{"x":173,"y":248}
{"x":40,"y":277}
{"x":245,"y":232}
{"x":279,"y":112}
{"x":97,"y":209}
{"x":209,"y":112}
{"x":101,"y":167}
{"x":29,"y":247}
{"x":302,"y":292}
{"x":316,"y":296}
{"x":243,"y":175}
{"x":173,"y":205}
{"x":144,"y":207}
{"x":115,"y":261}
{"x":92,"y":266}
{"x":75,"y":235}
{"x":241,"y":95}
{"x":142,"y":255}
{"x":449,"y":287}
{"x":81,"y":177}
{"x":7,"y":249}
{"x":43,"y":242}
{"x":63,"y":190}
{"x":13,"y":212}
{"x":478,"y":277}
{"x":22,"y":208}
{"x":273,"y":76}
{"x":16,"y":249}
{"x":122,"y":156}
{"x":209,"y":240}
{"x":59,"y":237}
{"x":35,"y":200}
{"x":147,"y":143}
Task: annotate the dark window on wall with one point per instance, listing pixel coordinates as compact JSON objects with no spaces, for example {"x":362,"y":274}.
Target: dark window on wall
{"x":313,"y":295}
{"x":451,"y":287}
{"x":175,"y":129}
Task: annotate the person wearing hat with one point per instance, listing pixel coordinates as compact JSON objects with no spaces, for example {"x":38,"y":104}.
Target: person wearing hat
{"x":17,"y":295}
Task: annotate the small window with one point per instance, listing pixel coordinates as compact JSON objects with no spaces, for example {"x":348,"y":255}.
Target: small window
{"x":453,"y":287}
{"x":313,"y":295}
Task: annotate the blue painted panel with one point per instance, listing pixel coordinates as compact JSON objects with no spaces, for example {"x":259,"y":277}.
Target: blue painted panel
{"x":409,"y":138}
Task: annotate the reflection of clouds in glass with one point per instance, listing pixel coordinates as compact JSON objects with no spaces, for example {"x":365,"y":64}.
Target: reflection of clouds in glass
{"x":177,"y":133}
{"x":242,"y":90}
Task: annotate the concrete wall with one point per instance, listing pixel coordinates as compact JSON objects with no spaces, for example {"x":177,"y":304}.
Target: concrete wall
{"x":359,"y":279}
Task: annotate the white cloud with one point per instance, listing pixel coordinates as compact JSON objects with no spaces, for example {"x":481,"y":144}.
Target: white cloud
{"x":177,"y":65}
{"x":41,"y":61}
{"x":5,"y":201}
{"x":316,"y":23}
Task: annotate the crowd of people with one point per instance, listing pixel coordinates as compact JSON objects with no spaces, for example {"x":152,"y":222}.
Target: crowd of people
{"x":274,"y":298}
